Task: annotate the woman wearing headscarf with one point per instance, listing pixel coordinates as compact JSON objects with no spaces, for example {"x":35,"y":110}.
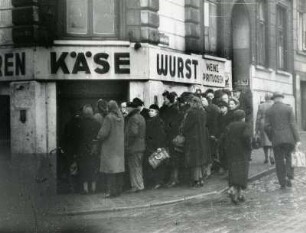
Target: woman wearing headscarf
{"x":238,"y":146}
{"x":89,"y":129}
{"x":197,"y":149}
{"x":101,"y":111}
{"x":233,"y":105}
{"x":112,"y":153}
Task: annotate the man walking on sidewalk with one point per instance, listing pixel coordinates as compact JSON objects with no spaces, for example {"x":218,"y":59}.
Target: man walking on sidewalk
{"x":281,"y":129}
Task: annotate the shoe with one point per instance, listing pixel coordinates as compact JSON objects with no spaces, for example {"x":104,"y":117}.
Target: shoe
{"x":272,"y":161}
{"x":283,"y":187}
{"x":234,"y":198}
{"x":288,"y":183}
{"x":172,"y":184}
{"x":241,"y":198}
{"x":157,"y":186}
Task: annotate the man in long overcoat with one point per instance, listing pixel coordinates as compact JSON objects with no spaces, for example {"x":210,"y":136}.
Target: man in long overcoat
{"x":135,"y":133}
{"x":281,"y":129}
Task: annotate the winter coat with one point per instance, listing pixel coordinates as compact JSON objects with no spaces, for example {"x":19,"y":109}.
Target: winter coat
{"x":112,"y":149}
{"x":238,"y":149}
{"x":172,"y":118}
{"x":280,"y":125}
{"x":88,"y":161}
{"x":145,"y":113}
{"x":223,"y":121}
{"x":197,"y":148}
{"x":135,"y":133}
{"x":155,"y":134}
{"x":260,"y":123}
{"x":212,"y":115}
{"x":100,"y":118}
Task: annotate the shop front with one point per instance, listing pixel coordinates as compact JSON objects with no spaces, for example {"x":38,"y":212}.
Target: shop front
{"x":44,"y":86}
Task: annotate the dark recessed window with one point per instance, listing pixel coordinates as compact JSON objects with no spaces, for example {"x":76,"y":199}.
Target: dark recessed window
{"x":261,"y":34}
{"x":281,"y":38}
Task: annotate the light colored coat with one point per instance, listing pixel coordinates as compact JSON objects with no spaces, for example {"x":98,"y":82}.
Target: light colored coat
{"x":260,"y":123}
{"x":112,"y":150}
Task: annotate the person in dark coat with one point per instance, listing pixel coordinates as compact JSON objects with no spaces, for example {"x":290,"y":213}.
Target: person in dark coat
{"x":238,"y":146}
{"x":281,"y":129}
{"x":88,"y":159}
{"x":155,"y":139}
{"x":265,"y":143}
{"x":102,"y":110}
{"x":223,"y":121}
{"x":197,"y":150}
{"x":172,"y":118}
{"x":140,"y":105}
{"x":135,"y":133}
{"x":233,"y":105}
{"x":112,"y":149}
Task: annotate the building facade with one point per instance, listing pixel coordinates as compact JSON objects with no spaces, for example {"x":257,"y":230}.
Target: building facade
{"x":299,"y":34}
{"x":57,"y":55}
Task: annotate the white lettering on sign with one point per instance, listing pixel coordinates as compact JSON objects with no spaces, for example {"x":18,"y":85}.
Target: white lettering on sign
{"x":213,"y":73}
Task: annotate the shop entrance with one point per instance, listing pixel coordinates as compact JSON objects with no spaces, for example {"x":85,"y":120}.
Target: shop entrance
{"x":72,"y":95}
{"x":5,"y":129}
{"x":241,"y":45}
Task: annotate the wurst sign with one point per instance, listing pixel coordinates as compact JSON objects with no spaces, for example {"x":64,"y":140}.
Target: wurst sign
{"x":112,"y":63}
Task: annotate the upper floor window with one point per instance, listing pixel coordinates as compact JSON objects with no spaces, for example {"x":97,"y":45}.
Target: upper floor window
{"x":302,"y":25}
{"x":210,"y":26}
{"x":281,"y":38}
{"x":91,"y":17}
{"x":261,"y":34}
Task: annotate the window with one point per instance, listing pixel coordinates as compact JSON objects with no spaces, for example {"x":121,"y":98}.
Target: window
{"x":281,"y":38}
{"x":210,"y":27}
{"x":261,"y":34}
{"x":302,"y":31}
{"x":91,"y":17}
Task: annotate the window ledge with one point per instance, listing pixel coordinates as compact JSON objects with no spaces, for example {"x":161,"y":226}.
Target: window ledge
{"x":214,"y":58}
{"x":284,"y":73}
{"x":301,"y":52}
{"x":93,"y":42}
{"x":262,"y":68}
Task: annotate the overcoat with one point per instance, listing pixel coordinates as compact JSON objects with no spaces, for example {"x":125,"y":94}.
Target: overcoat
{"x":260,"y":122}
{"x":238,"y":147}
{"x":135,"y":133}
{"x":280,"y":125}
{"x":155,"y":134}
{"x":112,"y":149}
{"x":197,"y":148}
{"x":88,"y":164}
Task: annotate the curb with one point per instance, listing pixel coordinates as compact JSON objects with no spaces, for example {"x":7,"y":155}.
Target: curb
{"x":162,"y":203}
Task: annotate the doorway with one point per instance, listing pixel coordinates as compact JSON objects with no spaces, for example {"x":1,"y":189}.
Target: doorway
{"x":5,"y":127}
{"x":241,"y":45}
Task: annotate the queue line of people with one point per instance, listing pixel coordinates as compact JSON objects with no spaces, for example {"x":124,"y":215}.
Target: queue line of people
{"x":116,"y":139}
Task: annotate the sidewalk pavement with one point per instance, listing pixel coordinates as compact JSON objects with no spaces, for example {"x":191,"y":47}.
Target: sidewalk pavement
{"x":16,"y":198}
{"x":75,"y":204}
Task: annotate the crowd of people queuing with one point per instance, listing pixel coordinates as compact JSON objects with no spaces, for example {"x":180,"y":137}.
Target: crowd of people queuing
{"x":115,"y":141}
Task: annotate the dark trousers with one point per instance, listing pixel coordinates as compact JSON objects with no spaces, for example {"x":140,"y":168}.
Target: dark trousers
{"x":114,"y":183}
{"x":282,"y":154}
{"x":222,"y":154}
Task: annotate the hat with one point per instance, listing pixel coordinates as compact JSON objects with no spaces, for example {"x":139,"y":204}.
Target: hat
{"x":222,"y":104}
{"x":138,"y":102}
{"x":131,"y":105}
{"x":239,"y":115}
{"x":154,"y":106}
{"x":277,"y":94}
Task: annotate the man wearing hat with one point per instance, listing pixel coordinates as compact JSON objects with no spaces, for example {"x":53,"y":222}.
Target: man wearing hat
{"x":281,"y":129}
{"x":140,"y":105}
{"x":135,"y":132}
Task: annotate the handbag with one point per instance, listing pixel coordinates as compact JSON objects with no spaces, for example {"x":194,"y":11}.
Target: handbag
{"x":157,"y":157}
{"x":298,"y":159}
{"x":256,"y":142}
{"x":179,"y":143}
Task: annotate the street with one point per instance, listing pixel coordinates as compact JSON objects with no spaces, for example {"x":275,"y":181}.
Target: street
{"x":267,"y":209}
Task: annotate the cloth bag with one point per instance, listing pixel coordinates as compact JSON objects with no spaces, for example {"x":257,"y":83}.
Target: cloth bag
{"x":298,"y":159}
{"x":157,"y":157}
